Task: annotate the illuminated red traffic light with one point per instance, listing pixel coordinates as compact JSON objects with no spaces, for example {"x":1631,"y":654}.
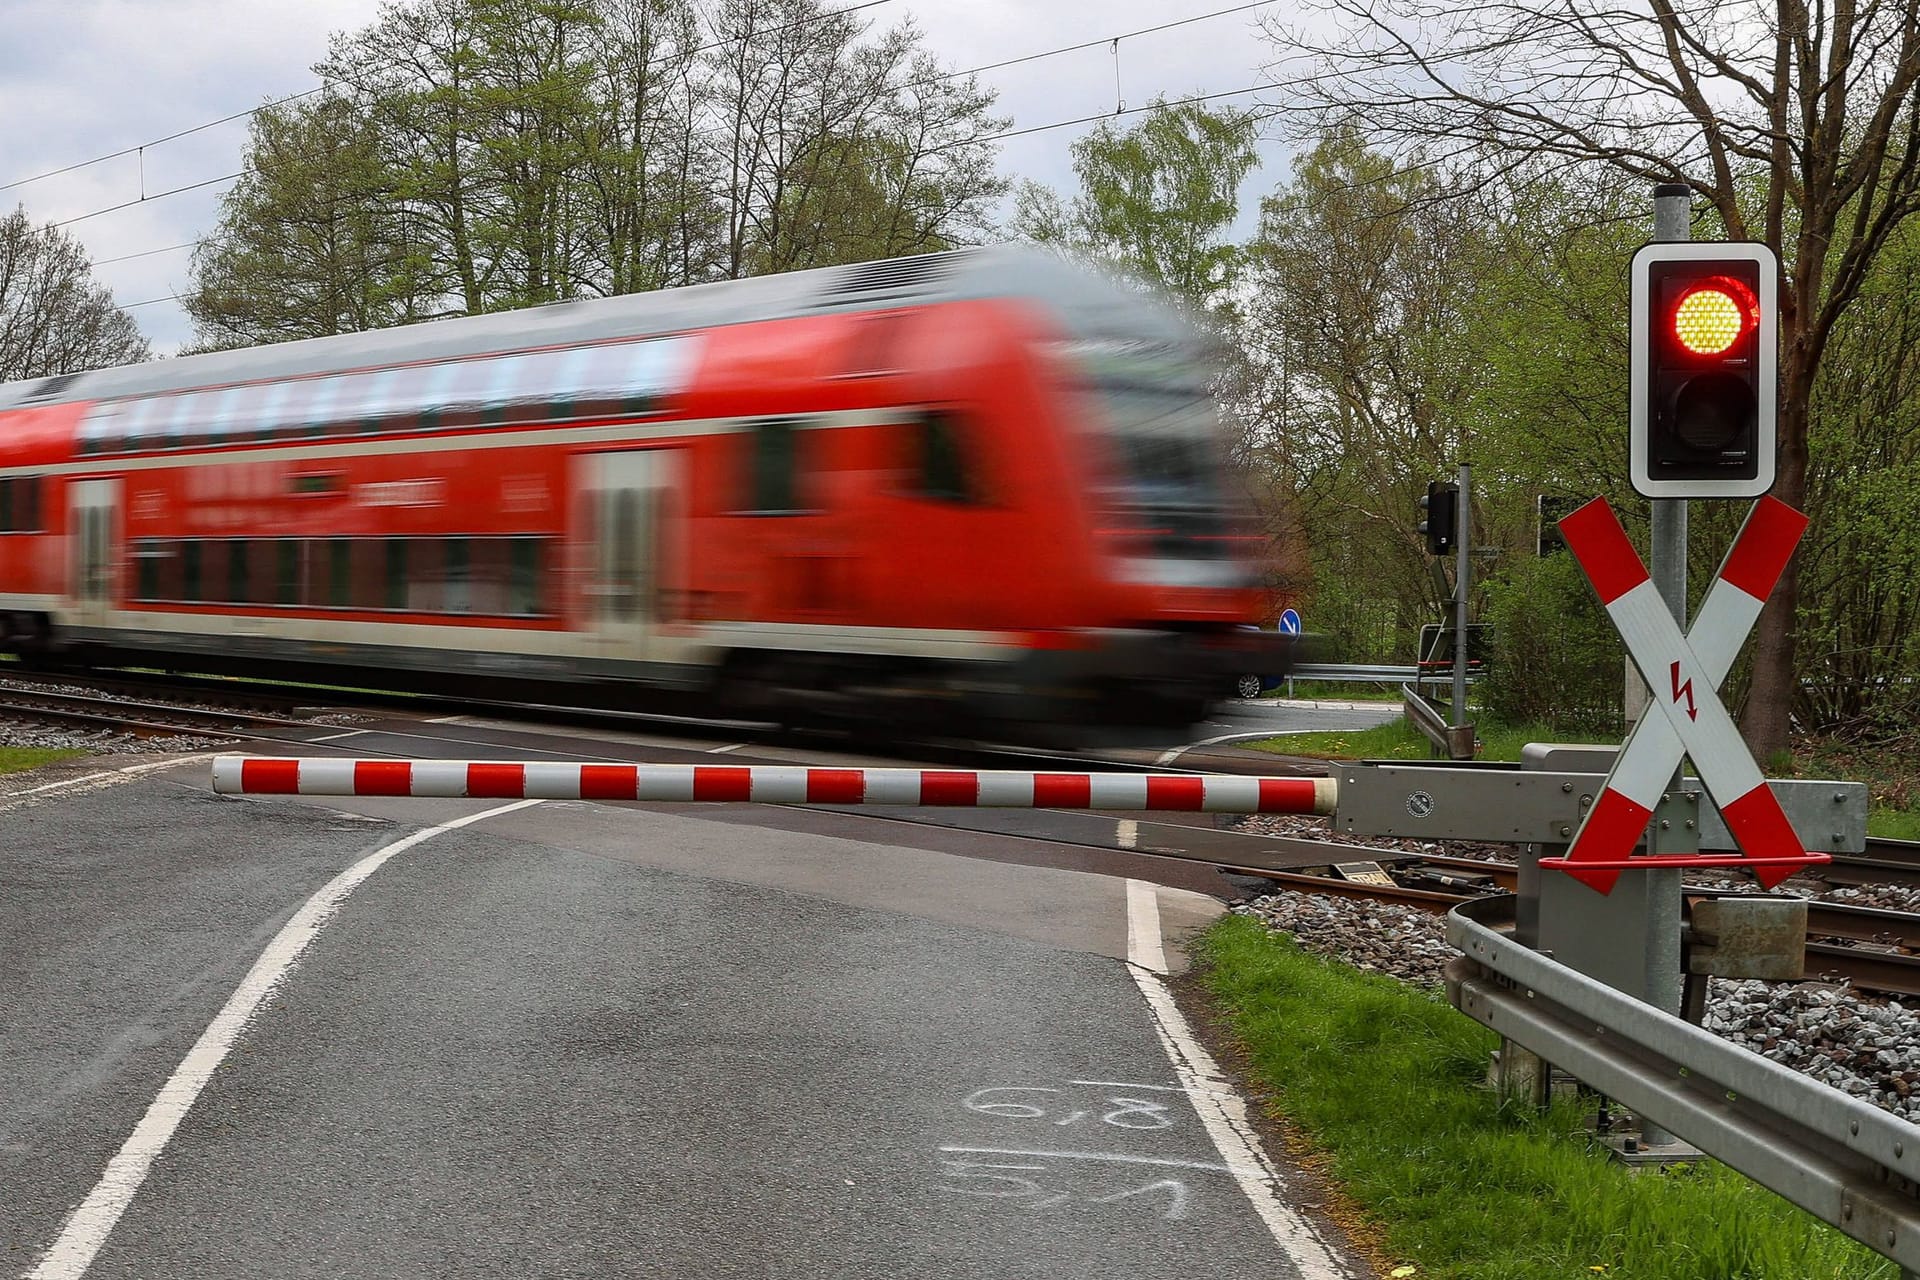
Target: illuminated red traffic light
{"x":1701,"y":379}
{"x":1713,"y":315}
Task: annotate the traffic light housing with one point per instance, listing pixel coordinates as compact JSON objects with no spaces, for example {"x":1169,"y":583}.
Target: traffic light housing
{"x":1442,"y":507}
{"x":1705,"y":344}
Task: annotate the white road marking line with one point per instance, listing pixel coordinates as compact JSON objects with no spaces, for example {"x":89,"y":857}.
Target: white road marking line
{"x":446,"y":720}
{"x":109,"y":777}
{"x":1166,"y":758}
{"x":64,"y":782}
{"x":335,"y":737}
{"x":1224,"y":1114}
{"x":1127,"y":836}
{"x":1143,"y":927}
{"x":720,"y":751}
{"x":87,"y":1229}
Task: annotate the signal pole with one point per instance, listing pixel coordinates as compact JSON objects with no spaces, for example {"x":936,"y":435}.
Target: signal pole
{"x":1671,"y":221}
{"x":1665,"y":983}
{"x":1463,"y":524}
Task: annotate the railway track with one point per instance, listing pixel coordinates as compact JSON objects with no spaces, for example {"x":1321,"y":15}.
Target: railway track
{"x":1869,"y":947}
{"x":140,"y":718}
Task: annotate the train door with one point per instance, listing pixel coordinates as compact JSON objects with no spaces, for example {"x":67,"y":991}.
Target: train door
{"x":93,"y":511}
{"x":629,"y":505}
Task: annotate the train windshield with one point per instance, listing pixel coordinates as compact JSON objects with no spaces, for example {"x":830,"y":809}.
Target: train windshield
{"x":1161,"y":478}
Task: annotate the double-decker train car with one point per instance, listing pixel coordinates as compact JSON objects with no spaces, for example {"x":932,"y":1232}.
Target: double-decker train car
{"x":982,"y":486}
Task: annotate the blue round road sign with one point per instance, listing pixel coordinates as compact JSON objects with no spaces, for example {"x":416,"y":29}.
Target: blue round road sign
{"x":1290,"y":622}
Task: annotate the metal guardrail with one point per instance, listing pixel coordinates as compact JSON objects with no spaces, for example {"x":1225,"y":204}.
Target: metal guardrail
{"x":1455,"y":740}
{"x":1354,"y":671}
{"x":1371,"y":673}
{"x":1844,"y":1161}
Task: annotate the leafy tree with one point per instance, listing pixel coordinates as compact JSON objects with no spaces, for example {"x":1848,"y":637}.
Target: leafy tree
{"x":1794,"y":124}
{"x":477,"y":155}
{"x":1157,"y":200}
{"x":309,"y":241}
{"x":1363,"y":321}
{"x":54,"y":318}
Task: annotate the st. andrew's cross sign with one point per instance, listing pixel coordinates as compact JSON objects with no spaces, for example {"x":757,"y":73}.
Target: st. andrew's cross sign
{"x":1684,"y":673}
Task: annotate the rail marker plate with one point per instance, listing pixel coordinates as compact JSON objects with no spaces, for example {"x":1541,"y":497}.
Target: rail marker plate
{"x":1684,"y":672}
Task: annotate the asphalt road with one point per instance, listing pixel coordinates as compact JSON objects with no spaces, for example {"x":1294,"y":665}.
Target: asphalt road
{"x":585,"y":1040}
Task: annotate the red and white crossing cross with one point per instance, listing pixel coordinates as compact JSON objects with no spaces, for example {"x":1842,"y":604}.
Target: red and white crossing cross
{"x":1684,"y":673}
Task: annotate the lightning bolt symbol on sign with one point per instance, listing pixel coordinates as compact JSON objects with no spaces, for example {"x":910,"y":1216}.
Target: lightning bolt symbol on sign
{"x":1693,"y":712}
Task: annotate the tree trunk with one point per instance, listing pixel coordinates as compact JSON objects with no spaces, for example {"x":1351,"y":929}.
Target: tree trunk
{"x":1766,"y":719}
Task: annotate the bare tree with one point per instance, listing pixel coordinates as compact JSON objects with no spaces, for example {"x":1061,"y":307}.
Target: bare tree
{"x":54,"y":318}
{"x":1796,"y":124}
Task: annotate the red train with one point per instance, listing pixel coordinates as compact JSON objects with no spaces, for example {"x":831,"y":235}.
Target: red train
{"x":979,"y":485}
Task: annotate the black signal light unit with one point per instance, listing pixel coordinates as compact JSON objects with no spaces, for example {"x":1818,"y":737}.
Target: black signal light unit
{"x":1704,"y":364}
{"x":1439,"y":524}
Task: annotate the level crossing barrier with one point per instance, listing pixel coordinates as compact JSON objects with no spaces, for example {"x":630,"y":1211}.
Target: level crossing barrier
{"x":772,"y":784}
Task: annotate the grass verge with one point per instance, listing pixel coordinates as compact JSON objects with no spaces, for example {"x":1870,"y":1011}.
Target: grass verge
{"x":1384,"y":1082}
{"x":1889,"y":773}
{"x":20,"y":759}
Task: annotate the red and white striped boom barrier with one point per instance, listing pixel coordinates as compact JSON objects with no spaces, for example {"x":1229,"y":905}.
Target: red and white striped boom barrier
{"x":771,"y":784}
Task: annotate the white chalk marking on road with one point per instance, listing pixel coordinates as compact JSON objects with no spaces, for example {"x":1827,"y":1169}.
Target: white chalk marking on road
{"x":1128,"y":1084}
{"x":1143,"y":927}
{"x":1114,"y":1157}
{"x":87,"y":1229}
{"x":1224,"y":1113}
{"x":335,"y":737}
{"x":1127,"y":836}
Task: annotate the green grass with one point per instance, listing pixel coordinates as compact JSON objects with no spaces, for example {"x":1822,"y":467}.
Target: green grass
{"x":20,"y":759}
{"x":1894,"y":824}
{"x":1385,"y":1082}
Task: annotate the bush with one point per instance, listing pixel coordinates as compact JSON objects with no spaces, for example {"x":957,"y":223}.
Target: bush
{"x":1557,"y":659}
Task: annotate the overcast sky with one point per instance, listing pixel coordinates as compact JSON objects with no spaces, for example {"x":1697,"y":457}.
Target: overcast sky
{"x":83,"y":78}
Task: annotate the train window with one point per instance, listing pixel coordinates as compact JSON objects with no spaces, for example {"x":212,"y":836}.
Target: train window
{"x":240,"y":557}
{"x":339,"y":573}
{"x":458,"y":578}
{"x":167,"y":570}
{"x":486,"y":574}
{"x":241,"y":411}
{"x":938,"y":464}
{"x":191,"y":554}
{"x":774,"y":467}
{"x":6,"y":506}
{"x":523,"y":581}
{"x":28,"y":510}
{"x":146,"y":569}
{"x":286,"y":571}
{"x":395,"y":595}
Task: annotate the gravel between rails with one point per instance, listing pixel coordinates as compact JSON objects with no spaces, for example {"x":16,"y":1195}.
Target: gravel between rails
{"x":1861,"y":1045}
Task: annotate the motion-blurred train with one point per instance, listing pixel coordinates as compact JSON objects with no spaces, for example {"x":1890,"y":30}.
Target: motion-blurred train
{"x":978,"y":486}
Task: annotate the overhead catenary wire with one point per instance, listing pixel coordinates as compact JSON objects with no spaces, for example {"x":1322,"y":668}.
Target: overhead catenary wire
{"x":319,"y":88}
{"x":951,"y":75}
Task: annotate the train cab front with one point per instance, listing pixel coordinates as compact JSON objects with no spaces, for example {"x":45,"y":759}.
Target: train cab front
{"x":1181,"y":563}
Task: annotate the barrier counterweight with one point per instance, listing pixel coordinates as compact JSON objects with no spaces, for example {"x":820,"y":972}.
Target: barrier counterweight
{"x":771,"y":784}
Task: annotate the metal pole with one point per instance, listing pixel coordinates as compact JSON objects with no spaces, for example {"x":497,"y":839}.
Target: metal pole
{"x":1665,"y":983}
{"x":1462,"y":524}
